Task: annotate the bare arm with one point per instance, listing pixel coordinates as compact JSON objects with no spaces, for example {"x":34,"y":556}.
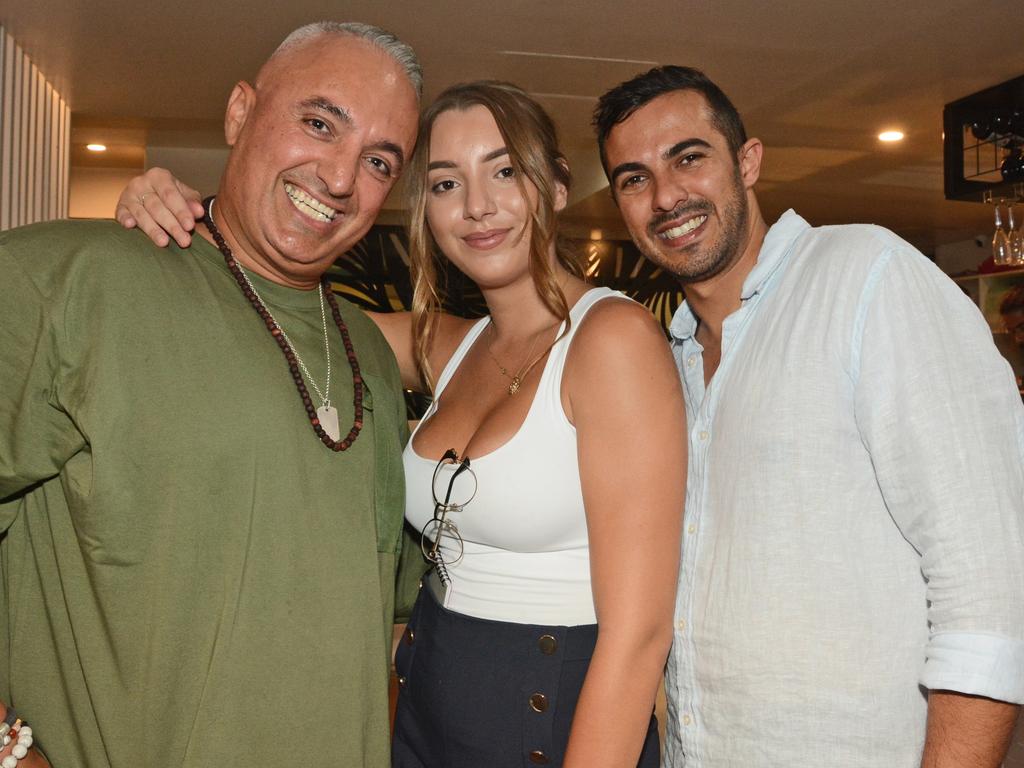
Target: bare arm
{"x":159,"y":204}
{"x":626,"y":403}
{"x":397,"y":329}
{"x":967,"y":731}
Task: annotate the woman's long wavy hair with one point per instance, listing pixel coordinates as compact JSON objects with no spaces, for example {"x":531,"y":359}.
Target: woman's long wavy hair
{"x":532,"y":144}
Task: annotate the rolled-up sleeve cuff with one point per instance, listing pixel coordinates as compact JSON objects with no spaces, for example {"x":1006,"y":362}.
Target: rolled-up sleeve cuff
{"x":979,"y":664}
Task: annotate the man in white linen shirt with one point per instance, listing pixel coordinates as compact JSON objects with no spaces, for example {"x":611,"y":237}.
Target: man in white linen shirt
{"x":852,"y":583}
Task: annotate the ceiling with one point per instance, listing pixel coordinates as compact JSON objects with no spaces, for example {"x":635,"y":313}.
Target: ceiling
{"x":816,"y":80}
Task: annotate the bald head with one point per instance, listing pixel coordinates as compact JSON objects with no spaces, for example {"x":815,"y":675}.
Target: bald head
{"x":400,"y":52}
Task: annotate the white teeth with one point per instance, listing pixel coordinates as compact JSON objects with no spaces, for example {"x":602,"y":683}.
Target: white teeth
{"x":682,"y":229}
{"x":308,"y":205}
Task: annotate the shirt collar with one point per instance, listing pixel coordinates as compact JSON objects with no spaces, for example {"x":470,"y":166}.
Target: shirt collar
{"x":776,"y":246}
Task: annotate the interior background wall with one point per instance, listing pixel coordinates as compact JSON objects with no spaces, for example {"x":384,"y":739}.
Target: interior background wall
{"x":35,"y":129}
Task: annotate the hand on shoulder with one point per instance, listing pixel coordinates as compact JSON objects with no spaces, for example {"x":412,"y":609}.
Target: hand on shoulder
{"x":160,"y":205}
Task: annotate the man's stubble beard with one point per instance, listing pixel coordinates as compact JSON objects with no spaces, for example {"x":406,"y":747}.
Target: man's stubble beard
{"x":722,"y":253}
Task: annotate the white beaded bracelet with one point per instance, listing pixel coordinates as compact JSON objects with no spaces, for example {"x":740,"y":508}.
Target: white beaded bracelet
{"x":20,"y":749}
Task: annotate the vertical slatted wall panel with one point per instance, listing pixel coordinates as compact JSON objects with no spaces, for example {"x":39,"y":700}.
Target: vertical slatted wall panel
{"x":6,"y":110}
{"x":35,"y":133}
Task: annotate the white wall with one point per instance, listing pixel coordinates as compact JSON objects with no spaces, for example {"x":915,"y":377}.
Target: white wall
{"x":200,"y":168}
{"x":35,"y":130}
{"x":94,"y":191}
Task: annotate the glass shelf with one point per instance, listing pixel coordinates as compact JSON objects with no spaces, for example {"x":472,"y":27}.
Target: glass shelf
{"x":987,"y":275}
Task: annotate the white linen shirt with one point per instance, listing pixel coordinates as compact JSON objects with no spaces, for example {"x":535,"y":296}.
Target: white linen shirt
{"x":854,"y":532}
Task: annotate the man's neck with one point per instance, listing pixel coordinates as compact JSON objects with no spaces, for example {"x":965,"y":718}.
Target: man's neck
{"x":714,"y":299}
{"x":223,"y":223}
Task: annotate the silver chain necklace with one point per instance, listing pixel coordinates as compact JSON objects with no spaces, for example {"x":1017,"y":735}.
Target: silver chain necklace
{"x":326,"y":414}
{"x":325,"y":396}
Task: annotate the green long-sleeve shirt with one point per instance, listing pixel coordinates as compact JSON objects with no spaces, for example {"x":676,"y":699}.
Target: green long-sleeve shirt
{"x":189,"y":577}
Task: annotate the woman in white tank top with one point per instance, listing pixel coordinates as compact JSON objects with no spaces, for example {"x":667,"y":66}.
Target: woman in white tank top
{"x":567,"y":404}
{"x":544,"y":644}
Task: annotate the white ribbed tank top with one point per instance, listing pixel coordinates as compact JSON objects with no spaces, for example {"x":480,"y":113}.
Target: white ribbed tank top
{"x":526,"y":555}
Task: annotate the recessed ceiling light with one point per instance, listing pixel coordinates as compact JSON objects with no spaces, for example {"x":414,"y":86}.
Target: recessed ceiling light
{"x":890,"y":136}
{"x":96,"y":147}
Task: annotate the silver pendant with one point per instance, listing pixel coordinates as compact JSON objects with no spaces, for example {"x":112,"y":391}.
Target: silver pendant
{"x":328,"y":417}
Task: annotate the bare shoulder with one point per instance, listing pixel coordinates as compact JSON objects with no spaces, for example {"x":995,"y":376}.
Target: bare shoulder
{"x":390,"y":320}
{"x":619,"y":371}
{"x":618,"y":328}
{"x":620,"y":360}
{"x":397,"y":329}
{"x":451,"y":330}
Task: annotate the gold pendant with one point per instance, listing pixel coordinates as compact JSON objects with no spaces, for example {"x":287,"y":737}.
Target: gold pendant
{"x":514,"y":386}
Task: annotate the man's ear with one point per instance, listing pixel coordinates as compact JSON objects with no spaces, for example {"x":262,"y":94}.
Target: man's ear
{"x":241,"y":102}
{"x":749,"y":159}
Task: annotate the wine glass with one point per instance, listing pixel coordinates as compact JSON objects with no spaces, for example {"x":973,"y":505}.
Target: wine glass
{"x":1014,"y":237}
{"x":1000,"y":240}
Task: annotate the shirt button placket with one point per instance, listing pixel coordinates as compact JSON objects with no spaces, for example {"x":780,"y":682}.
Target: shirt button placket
{"x":700,"y":445}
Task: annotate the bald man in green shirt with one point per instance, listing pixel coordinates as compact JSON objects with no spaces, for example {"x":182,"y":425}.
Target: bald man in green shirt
{"x":201,"y":489}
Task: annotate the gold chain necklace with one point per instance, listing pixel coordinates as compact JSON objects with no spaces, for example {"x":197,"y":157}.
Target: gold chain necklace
{"x":516,"y":381}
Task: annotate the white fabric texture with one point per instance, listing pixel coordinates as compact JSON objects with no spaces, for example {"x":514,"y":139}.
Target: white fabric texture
{"x":854,"y":530}
{"x":527,"y":558}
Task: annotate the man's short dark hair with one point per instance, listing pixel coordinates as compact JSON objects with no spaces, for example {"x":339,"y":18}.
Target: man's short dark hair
{"x":626,"y":98}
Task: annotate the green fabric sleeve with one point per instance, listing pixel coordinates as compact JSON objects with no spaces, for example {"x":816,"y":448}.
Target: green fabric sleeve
{"x":411,"y":567}
{"x":36,"y":434}
{"x":411,"y":563}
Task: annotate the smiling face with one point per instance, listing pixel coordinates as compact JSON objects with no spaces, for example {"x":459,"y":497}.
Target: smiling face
{"x":681,"y":192}
{"x":317,"y":145}
{"x":478,"y":212}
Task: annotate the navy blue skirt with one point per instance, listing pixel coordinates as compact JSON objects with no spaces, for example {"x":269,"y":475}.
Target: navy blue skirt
{"x":475,"y":693}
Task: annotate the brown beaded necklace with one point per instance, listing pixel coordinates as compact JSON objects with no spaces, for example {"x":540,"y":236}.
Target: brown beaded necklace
{"x":286,"y":349}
